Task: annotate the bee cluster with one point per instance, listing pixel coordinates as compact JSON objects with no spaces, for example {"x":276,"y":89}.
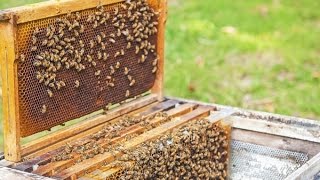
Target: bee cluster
{"x":64,"y":46}
{"x":93,"y":146}
{"x":198,"y":150}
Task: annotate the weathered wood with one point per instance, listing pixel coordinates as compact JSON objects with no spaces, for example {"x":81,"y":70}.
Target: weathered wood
{"x":45,"y":154}
{"x":86,"y":124}
{"x":11,"y":125}
{"x":158,"y":85}
{"x":98,"y":160}
{"x":275,"y":141}
{"x":50,"y":168}
{"x":214,"y":118}
{"x":251,"y":114}
{"x":275,"y":128}
{"x":8,"y":173}
{"x":48,"y":9}
{"x":307,"y":171}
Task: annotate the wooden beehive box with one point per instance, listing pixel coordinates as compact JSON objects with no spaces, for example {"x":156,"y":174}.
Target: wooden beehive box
{"x":31,"y":106}
{"x":66,"y":60}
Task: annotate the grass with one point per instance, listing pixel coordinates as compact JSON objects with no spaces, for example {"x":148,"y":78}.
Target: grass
{"x":257,"y":54}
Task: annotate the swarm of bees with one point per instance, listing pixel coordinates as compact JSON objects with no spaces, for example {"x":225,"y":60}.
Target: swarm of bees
{"x":63,"y":46}
{"x":92,"y":146}
{"x":198,"y":150}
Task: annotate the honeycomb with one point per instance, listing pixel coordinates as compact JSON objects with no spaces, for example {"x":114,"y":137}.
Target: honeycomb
{"x":88,"y":89}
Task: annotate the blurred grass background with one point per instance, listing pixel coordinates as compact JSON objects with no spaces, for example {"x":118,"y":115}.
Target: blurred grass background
{"x":257,"y":54}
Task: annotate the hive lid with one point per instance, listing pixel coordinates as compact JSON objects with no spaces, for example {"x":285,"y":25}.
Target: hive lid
{"x":62,"y":60}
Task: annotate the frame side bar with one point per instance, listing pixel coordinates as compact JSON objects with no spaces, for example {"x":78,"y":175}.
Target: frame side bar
{"x":11,"y":125}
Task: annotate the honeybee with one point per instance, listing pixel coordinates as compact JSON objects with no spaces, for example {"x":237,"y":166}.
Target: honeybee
{"x":103,"y":46}
{"x":119,"y":32}
{"x":129,"y":77}
{"x":50,"y":43}
{"x":154,"y":69}
{"x":117,"y":54}
{"x":105,"y":56}
{"x":62,"y":83}
{"x":129,"y":45}
{"x":34,"y":40}
{"x":91,"y":44}
{"x":77,"y":84}
{"x":112,"y":70}
{"x":37,"y":63}
{"x":137,"y":49}
{"x":116,"y":11}
{"x":112,"y":40}
{"x":126,"y":71}
{"x":103,"y":35}
{"x":132,"y":82}
{"x":34,"y":48}
{"x":122,"y":52}
{"x":76,"y":33}
{"x":94,"y":64}
{"x":99,"y":39}
{"x":48,"y":32}
{"x":97,"y":73}
{"x":81,"y":30}
{"x":155,"y":62}
{"x":99,"y":55}
{"x":78,"y":16}
{"x":90,"y":18}
{"x":89,"y":58}
{"x":111,"y":84}
{"x":117,"y":65}
{"x":81,"y":44}
{"x":22,"y":58}
{"x":36,"y":31}
{"x":44,"y":109}
{"x":95,"y":25}
{"x":143,"y":58}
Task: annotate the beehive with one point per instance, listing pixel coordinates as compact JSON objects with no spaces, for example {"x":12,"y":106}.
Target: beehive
{"x":64,"y":60}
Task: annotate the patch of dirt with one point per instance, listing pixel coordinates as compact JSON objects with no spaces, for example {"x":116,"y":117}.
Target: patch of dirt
{"x":266,"y":59}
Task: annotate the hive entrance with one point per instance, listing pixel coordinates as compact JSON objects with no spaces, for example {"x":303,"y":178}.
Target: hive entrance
{"x":78,"y":63}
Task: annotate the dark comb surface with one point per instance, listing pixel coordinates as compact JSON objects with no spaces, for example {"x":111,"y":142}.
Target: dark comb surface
{"x":93,"y":93}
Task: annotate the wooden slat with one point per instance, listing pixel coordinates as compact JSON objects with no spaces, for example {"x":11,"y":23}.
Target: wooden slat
{"x":11,"y":125}
{"x":280,"y":129}
{"x":158,"y":85}
{"x":278,"y":142}
{"x":50,"y":168}
{"x":307,"y":171}
{"x":214,"y":118}
{"x":44,"y":155}
{"x":98,"y":160}
{"x":86,"y":124}
{"x":52,"y":8}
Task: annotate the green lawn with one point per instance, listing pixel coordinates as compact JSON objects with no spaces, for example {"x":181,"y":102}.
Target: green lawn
{"x":257,"y":54}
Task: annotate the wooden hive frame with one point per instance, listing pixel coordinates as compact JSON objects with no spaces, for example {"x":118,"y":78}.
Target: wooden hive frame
{"x":9,"y":19}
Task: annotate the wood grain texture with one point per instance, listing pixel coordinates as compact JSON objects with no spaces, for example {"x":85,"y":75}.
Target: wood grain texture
{"x":276,"y":128}
{"x":44,"y":155}
{"x":11,"y":125}
{"x":50,"y":168}
{"x":86,"y":124}
{"x":48,"y":9}
{"x":275,"y":141}
{"x":159,"y":82}
{"x":98,"y":160}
